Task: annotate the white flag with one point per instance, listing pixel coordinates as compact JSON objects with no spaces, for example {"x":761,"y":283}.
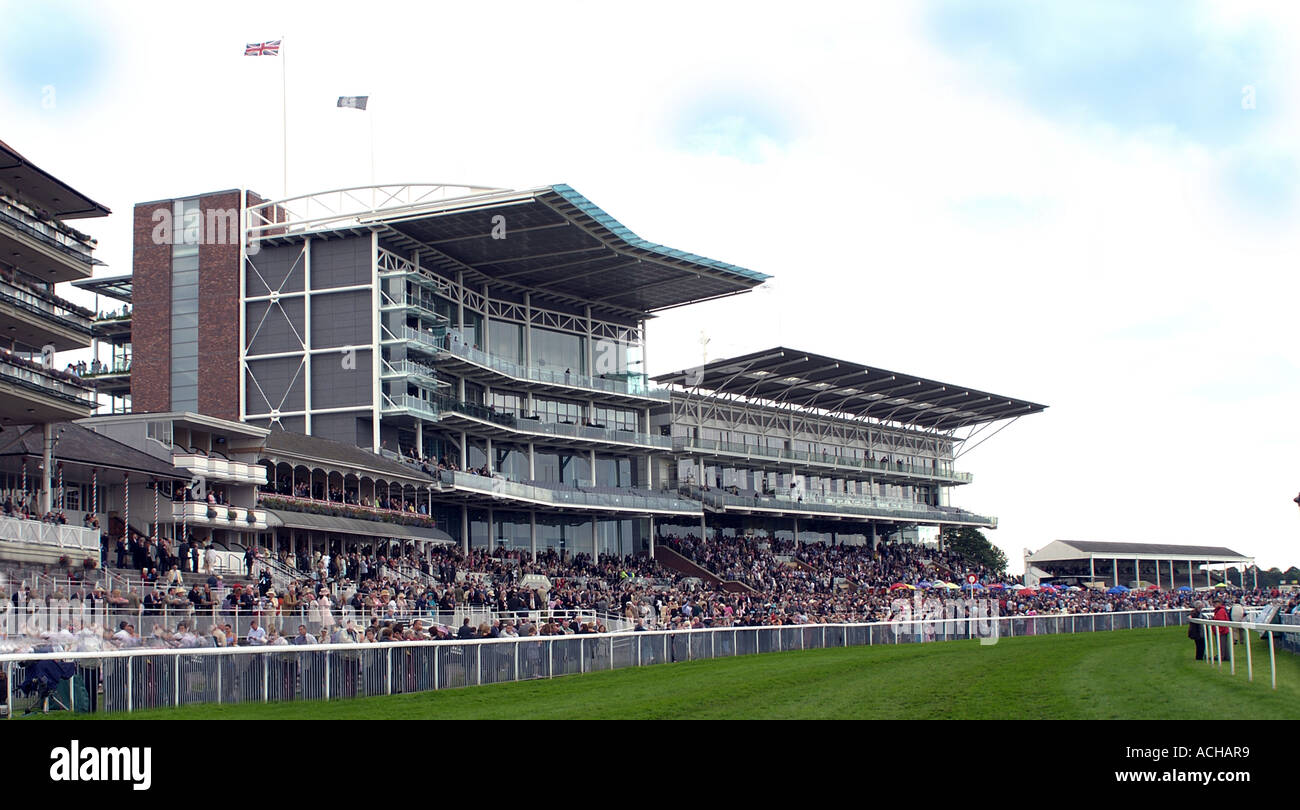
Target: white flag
{"x":355,"y":102}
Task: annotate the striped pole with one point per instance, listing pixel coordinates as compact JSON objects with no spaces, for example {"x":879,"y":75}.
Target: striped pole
{"x":155,"y":510}
{"x":126,"y":506}
{"x":94,"y":491}
{"x":61,"y":496}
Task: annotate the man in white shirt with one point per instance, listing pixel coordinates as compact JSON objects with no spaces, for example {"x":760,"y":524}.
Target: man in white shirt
{"x":256,"y":634}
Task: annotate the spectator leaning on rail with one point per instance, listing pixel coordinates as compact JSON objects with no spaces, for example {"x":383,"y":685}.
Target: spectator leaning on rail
{"x":1196,"y":632}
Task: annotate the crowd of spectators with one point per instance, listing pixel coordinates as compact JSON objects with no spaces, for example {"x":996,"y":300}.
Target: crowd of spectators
{"x":361,"y":595}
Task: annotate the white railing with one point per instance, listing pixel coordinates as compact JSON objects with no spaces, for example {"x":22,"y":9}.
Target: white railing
{"x":49,"y":535}
{"x":1226,"y":635}
{"x":197,"y":512}
{"x":346,"y":206}
{"x":166,"y":677}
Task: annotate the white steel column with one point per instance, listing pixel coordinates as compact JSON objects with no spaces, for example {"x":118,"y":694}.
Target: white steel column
{"x":532,"y":466}
{"x":419,"y":438}
{"x":243,"y":291}
{"x":652,"y":537}
{"x":532,"y":533}
{"x":464,"y":448}
{"x":306,"y":334}
{"x":528,"y":337}
{"x":464,"y":528}
{"x":375,"y":360}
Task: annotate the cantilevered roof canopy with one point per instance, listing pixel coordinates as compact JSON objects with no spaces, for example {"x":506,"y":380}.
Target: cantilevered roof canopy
{"x":791,"y":377}
{"x":22,"y":179}
{"x":118,"y":287}
{"x":556,"y":244}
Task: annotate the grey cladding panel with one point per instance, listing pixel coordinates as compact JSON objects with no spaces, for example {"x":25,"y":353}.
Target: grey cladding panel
{"x":340,"y":262}
{"x":341,"y":427}
{"x":341,"y":319}
{"x":274,"y":327}
{"x":340,"y":381}
{"x":274,"y":269}
{"x":275,"y":384}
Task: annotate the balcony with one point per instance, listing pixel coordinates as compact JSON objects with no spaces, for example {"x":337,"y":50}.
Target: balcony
{"x":220,"y":516}
{"x":839,"y":507}
{"x":595,"y":498}
{"x":876,"y":468}
{"x":482,"y":420}
{"x":220,"y":470}
{"x":37,"y":317}
{"x":313,"y":506}
{"x":467,"y":361}
{"x":42,"y":248}
{"x":30,"y":392}
{"x":37,"y":541}
{"x":112,"y":327}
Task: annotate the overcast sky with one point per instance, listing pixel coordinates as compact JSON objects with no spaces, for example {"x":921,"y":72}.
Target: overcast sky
{"x":1091,"y":206}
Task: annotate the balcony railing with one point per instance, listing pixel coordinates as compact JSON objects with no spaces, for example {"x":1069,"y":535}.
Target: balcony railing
{"x":622,"y":384}
{"x":867,"y":507}
{"x":627,"y":499}
{"x":688,"y":444}
{"x":528,"y":425}
{"x":45,"y":381}
{"x":25,"y":222}
{"x":220,"y":469}
{"x":220,"y":515}
{"x":46,"y":305}
{"x":409,"y":368}
{"x":122,"y":367}
{"x":38,"y":534}
{"x":293,"y":503}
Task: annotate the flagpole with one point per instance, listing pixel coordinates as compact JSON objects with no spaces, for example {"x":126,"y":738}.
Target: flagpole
{"x":372,"y":160}
{"x":284,"y":117}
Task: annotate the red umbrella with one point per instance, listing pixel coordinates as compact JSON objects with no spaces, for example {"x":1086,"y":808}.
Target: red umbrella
{"x":1153,"y":587}
{"x":897,"y":586}
{"x":1025,"y":592}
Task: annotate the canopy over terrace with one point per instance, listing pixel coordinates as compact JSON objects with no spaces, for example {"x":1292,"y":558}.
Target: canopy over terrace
{"x":823,"y":384}
{"x":558,"y":246}
{"x":21,"y":178}
{"x":1167,"y":565}
{"x":118,"y":287}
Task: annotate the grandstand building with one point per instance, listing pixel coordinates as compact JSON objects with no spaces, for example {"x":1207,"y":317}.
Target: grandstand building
{"x":491,"y":343}
{"x":39,"y":251}
{"x":1136,"y":565}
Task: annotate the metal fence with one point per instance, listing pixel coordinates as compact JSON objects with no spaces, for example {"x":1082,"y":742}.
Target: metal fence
{"x":1223,"y":637}
{"x":128,"y":680}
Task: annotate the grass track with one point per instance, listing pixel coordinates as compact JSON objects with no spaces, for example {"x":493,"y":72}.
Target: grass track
{"x":1127,"y":674}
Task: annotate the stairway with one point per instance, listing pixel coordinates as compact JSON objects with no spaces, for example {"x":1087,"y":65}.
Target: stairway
{"x":685,"y":566}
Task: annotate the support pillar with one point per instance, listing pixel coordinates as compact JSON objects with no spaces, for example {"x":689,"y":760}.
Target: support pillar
{"x":652,"y":537}
{"x":532,"y":533}
{"x":464,"y":528}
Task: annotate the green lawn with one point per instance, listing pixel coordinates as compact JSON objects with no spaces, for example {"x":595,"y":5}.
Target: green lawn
{"x":1129,"y":674}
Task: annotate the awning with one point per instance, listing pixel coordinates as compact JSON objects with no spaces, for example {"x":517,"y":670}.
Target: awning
{"x":357,"y":526}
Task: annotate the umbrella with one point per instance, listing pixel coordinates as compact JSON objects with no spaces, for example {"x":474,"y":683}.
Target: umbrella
{"x":1025,"y":592}
{"x":1118,"y":589}
{"x":1222,"y":585}
{"x":925,"y":584}
{"x":1047,"y":587}
{"x":938,"y":583}
{"x":971,"y":587}
{"x":1185,"y":588}
{"x":898,"y":586}
{"x":1074,"y":588}
{"x":951,"y":586}
{"x":997,"y":586}
{"x":1153,"y":587}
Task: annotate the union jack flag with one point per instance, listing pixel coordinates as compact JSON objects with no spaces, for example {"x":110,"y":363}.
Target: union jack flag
{"x":263,"y":49}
